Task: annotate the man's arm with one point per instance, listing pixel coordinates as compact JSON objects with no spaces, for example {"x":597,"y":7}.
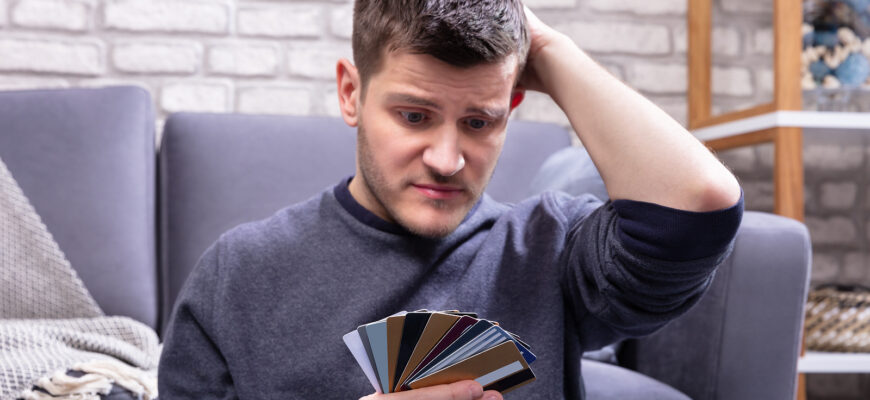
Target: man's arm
{"x":640,"y":151}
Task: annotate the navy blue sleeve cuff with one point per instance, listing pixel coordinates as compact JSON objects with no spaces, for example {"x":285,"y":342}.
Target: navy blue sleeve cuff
{"x":676,"y":235}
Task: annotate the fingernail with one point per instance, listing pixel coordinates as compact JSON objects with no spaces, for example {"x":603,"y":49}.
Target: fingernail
{"x":491,"y":397}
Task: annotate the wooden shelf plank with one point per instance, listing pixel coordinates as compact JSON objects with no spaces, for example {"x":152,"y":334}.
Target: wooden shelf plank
{"x":817,"y":362}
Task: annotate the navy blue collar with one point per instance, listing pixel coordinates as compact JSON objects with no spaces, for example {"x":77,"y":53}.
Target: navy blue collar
{"x":362,"y":214}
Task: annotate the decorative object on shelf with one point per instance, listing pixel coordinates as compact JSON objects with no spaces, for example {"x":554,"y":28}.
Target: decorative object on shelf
{"x":838,"y":319}
{"x":836,"y":44}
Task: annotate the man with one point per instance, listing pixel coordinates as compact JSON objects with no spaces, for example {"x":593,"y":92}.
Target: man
{"x":431,"y":92}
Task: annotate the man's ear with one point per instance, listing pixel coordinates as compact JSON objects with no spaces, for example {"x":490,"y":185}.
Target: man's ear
{"x":349,"y":90}
{"x":517,"y":96}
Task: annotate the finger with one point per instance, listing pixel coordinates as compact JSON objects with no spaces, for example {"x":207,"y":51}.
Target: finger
{"x":463,"y":390}
{"x":492,"y":395}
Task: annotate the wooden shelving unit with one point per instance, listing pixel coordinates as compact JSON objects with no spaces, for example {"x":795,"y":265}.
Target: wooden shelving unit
{"x":781,"y":122}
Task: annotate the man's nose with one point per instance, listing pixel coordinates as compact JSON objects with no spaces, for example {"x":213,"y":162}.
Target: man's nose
{"x":444,"y":155}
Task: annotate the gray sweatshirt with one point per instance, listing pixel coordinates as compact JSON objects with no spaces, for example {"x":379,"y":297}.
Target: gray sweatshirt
{"x":263,"y":312}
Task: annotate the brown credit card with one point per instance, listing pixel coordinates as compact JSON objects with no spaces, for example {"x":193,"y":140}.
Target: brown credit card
{"x":487,"y":368}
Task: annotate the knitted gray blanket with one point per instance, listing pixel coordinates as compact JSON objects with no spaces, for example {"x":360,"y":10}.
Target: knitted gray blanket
{"x":49,"y":323}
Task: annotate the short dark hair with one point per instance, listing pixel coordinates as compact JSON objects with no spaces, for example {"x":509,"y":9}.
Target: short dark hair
{"x":462,"y":33}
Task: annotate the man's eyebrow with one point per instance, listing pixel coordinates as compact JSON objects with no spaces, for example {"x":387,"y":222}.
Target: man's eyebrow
{"x":494,"y":113}
{"x":411,"y":99}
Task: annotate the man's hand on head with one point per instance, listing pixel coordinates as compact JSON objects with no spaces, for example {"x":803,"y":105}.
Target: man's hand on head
{"x":463,"y":390}
{"x":541,"y":36}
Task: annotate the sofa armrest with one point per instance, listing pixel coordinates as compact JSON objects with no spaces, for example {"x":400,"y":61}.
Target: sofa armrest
{"x":742,"y":340}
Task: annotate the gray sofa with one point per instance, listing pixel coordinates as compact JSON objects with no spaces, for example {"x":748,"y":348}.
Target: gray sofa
{"x":133,"y":221}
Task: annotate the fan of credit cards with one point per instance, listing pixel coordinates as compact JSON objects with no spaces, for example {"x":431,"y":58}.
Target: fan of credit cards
{"x":413,"y":350}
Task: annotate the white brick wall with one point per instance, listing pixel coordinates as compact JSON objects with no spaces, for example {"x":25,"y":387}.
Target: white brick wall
{"x":726,"y":41}
{"x":762,"y":42}
{"x":244,"y":59}
{"x":278,"y":20}
{"x":642,"y":7}
{"x":315,"y":61}
{"x":157,"y":57}
{"x":2,"y":13}
{"x":546,"y":4}
{"x":736,"y":81}
{"x":195,"y":96}
{"x":641,"y":39}
{"x":283,"y":99}
{"x":341,"y":22}
{"x":167,"y":16}
{"x":659,"y":78}
{"x":52,"y":14}
{"x":63,"y":56}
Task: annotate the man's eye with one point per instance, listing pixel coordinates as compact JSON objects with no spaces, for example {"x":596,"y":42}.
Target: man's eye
{"x":413,"y":117}
{"x":477,"y":124}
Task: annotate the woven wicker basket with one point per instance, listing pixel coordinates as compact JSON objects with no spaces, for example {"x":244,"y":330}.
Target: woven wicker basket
{"x":838,"y":319}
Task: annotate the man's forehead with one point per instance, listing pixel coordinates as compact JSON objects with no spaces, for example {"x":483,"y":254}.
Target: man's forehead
{"x":426,"y":81}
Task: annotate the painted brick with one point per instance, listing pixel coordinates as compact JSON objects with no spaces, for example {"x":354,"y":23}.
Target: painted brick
{"x":540,"y":107}
{"x":726,"y":41}
{"x":739,"y":160}
{"x":294,"y":20}
{"x":274,"y":100}
{"x":195,"y":96}
{"x":747,"y":6}
{"x":11,"y":82}
{"x":834,"y":230}
{"x":758,"y":195}
{"x":244,"y":59}
{"x":52,"y":14}
{"x":732,"y":81}
{"x":762,"y":42}
{"x":658,"y":78}
{"x":106,"y":82}
{"x":80,"y":57}
{"x":330,"y":104}
{"x":167,"y":16}
{"x":676,"y":108}
{"x":764,"y":78}
{"x":645,"y":7}
{"x":856,"y":270}
{"x":138,"y":57}
{"x":821,"y":157}
{"x":828,"y":157}
{"x":341,"y":21}
{"x":602,"y":37}
{"x":315,"y":61}
{"x":536,"y":4}
{"x":839,"y":195}
{"x":825,"y":269}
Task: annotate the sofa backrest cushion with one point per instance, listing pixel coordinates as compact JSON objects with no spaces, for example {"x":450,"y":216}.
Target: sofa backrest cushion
{"x":85,"y":160}
{"x":220,"y":170}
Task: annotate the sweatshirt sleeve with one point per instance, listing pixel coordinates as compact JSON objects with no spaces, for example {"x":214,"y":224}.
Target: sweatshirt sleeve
{"x":632,"y":267}
{"x":191,"y":364}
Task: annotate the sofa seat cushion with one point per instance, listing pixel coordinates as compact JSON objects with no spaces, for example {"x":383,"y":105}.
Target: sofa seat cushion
{"x":609,"y":382}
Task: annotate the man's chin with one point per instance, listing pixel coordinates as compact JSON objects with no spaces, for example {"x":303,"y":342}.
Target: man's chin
{"x":433,"y":227}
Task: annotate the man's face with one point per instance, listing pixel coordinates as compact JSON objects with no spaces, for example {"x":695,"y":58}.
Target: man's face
{"x":429,"y":138}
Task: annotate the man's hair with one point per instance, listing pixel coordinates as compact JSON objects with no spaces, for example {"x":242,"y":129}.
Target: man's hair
{"x":462,"y":33}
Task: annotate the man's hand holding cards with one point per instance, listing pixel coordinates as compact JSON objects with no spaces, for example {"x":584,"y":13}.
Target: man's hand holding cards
{"x":421,"y":349}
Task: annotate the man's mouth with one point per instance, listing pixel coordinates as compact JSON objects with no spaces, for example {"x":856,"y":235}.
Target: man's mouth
{"x":439,"y":192}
